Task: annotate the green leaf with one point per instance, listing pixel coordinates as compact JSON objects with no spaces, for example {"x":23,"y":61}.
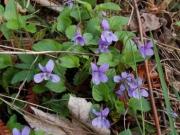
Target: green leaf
{"x":82,"y":74}
{"x":63,"y":23}
{"x":80,"y":13}
{"x":108,"y":6}
{"x":7,"y":76}
{"x":93,"y":26}
{"x":117,"y":22}
{"x":69,"y":61}
{"x":5,"y":61}
{"x":63,"y":20}
{"x":126,"y":132}
{"x":31,"y":28}
{"x":111,"y":73}
{"x":21,"y":76}
{"x":88,"y":38}
{"x":130,"y":53}
{"x":92,"y":2}
{"x":39,"y":35}
{"x":109,"y":58}
{"x":13,"y":24}
{"x":12,"y":123}
{"x":26,"y":58}
{"x":97,"y":94}
{"x":80,"y":77}
{"x":178,"y":23}
{"x":59,"y":105}
{"x":6,"y":32}
{"x":1,"y":10}
{"x":47,"y":45}
{"x":10,"y":11}
{"x":70,"y":31}
{"x":139,"y":104}
{"x":22,"y":66}
{"x":101,"y":92}
{"x":39,"y":89}
{"x":22,"y":21}
{"x":119,"y":106}
{"x":56,"y":87}
{"x":86,"y":5}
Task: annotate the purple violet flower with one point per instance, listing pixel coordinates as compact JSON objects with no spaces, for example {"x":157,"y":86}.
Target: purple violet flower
{"x":126,"y":82}
{"x":98,"y":73}
{"x":108,"y":36}
{"x":137,"y":91}
{"x":146,"y":49}
{"x":101,"y":120}
{"x":172,"y":113}
{"x":79,"y":39}
{"x":69,"y":3}
{"x":132,"y":85}
{"x":103,"y":46}
{"x":105,"y":24}
{"x":25,"y":131}
{"x":46,"y":73}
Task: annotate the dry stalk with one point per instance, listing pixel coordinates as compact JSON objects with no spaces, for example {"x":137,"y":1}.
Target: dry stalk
{"x":156,"y":119}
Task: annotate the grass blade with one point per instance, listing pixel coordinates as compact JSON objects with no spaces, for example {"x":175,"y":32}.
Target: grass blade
{"x":164,"y":90}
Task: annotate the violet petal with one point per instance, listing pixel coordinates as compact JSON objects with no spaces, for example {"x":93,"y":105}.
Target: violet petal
{"x":16,"y":131}
{"x":25,"y":131}
{"x":104,"y":67}
{"x":38,"y":78}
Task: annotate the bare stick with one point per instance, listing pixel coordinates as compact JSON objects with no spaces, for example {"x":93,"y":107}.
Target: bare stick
{"x":49,"y":4}
{"x":156,"y":119}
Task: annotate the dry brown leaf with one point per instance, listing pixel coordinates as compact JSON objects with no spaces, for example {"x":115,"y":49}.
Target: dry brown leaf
{"x":176,"y":85}
{"x":149,"y":22}
{"x":54,"y":119}
{"x":4,"y":129}
{"x":55,"y":125}
{"x":80,"y":124}
{"x":45,"y":126}
{"x":80,"y":129}
{"x":80,"y":108}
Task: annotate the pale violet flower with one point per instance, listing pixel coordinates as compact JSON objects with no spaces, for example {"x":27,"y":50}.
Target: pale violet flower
{"x":105,"y":24}
{"x":99,"y":73}
{"x":146,"y":49}
{"x":138,"y":92}
{"x":46,"y":73}
{"x":131,"y":84}
{"x":25,"y":131}
{"x":107,"y":37}
{"x":103,"y":46}
{"x":79,"y":39}
{"x":101,"y":120}
{"x":126,"y":81}
{"x":69,"y":3}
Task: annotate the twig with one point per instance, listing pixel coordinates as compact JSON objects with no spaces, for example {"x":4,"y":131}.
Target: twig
{"x":132,"y":12}
{"x":49,"y":4}
{"x":23,"y":50}
{"x":148,"y":75}
{"x":32,"y":104}
{"x":45,"y":52}
{"x":23,"y":83}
